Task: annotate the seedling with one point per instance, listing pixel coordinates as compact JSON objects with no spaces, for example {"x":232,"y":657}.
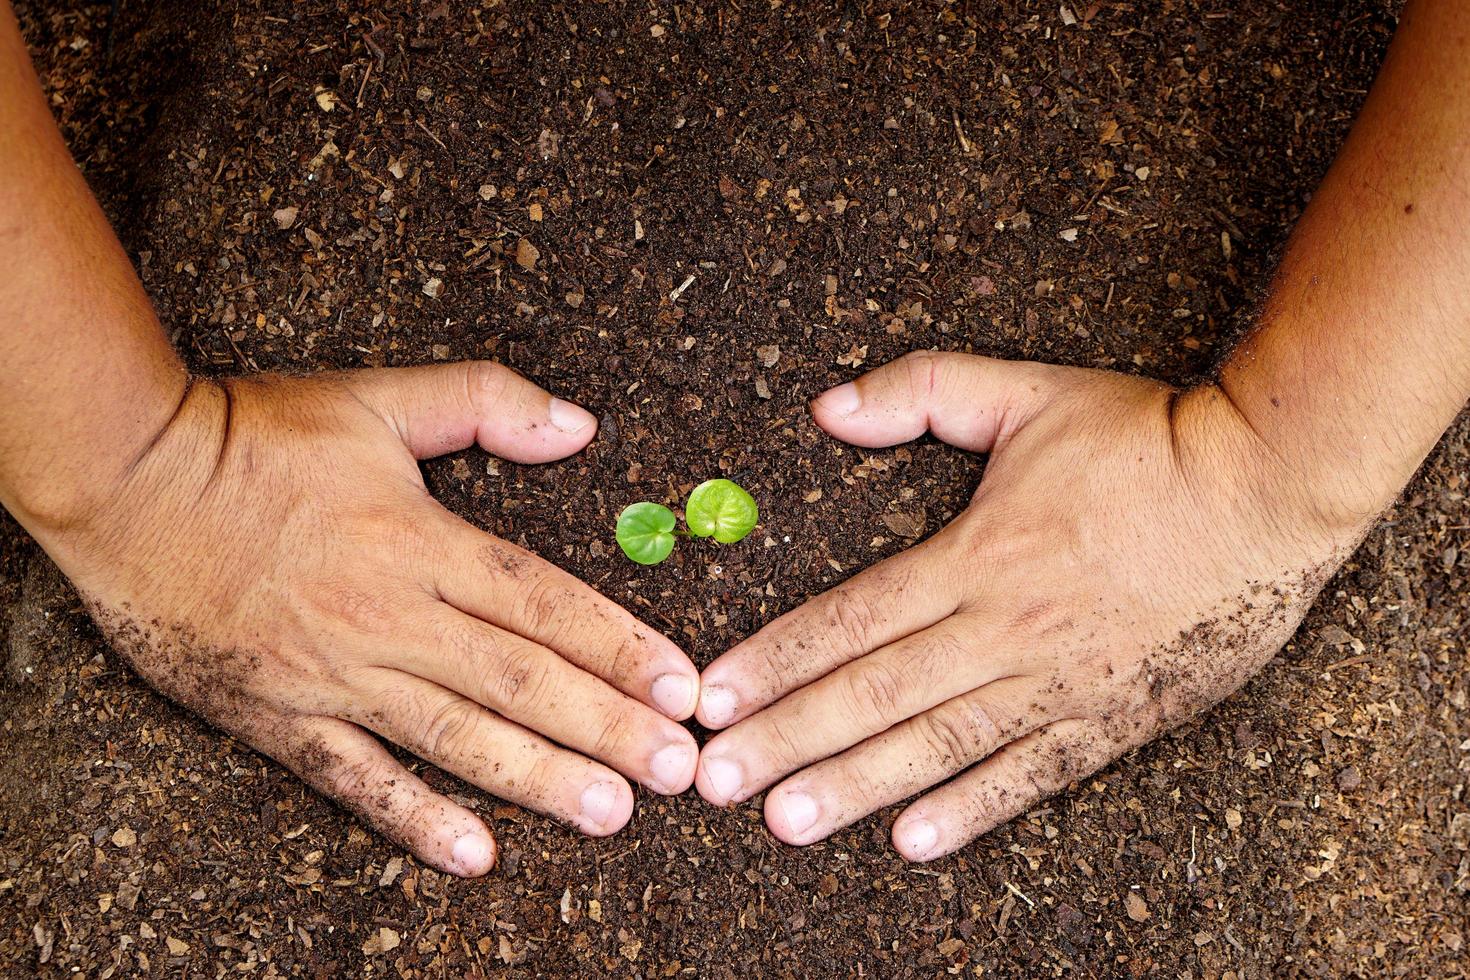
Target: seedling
{"x":719,"y":509}
{"x":646,"y":532}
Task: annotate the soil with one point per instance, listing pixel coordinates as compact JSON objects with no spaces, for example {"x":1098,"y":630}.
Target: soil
{"x":829,"y":185}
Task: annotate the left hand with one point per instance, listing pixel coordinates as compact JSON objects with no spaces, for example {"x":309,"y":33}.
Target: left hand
{"x":1132,"y":555}
{"x":273,"y":562}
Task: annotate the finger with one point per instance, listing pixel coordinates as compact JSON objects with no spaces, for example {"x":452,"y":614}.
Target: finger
{"x":1005,"y":785}
{"x":902,"y":761}
{"x":966,"y":400}
{"x":447,"y":407}
{"x":461,"y":737}
{"x":530,"y":685}
{"x":902,"y":595}
{"x":849,"y":705}
{"x":519,"y":592}
{"x":346,"y":764}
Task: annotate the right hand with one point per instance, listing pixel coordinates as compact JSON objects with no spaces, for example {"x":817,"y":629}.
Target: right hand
{"x":1131,"y":556}
{"x":274,"y":562}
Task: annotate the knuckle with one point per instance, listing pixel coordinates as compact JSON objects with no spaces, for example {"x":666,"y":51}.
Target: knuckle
{"x":403,"y":542}
{"x":959,"y":737}
{"x":540,"y":783}
{"x":459,"y":643}
{"x":922,"y":367}
{"x":935,"y":654}
{"x":355,"y":781}
{"x":447,"y":726}
{"x":985,"y":556}
{"x":625,"y":659}
{"x":360,"y":609}
{"x":776,"y":664}
{"x":540,"y":606}
{"x":485,"y":383}
{"x":517,"y":679}
{"x":612,"y":735}
{"x":862,"y":786}
{"x":982,"y":553}
{"x":782,"y":748}
{"x":876,"y":689}
{"x":946,"y":738}
{"x":855,"y":617}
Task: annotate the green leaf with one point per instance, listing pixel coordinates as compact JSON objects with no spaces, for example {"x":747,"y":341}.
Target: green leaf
{"x":646,"y":532}
{"x":722,"y":509}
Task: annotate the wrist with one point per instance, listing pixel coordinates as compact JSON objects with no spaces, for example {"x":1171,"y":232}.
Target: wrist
{"x":1303,"y":491}
{"x":61,"y":488}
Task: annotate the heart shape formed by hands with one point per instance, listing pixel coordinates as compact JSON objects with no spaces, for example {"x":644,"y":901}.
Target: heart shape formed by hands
{"x":1094,"y":593}
{"x":264,"y":550}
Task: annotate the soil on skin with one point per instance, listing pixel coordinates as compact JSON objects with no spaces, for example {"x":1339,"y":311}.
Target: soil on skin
{"x":837,"y":184}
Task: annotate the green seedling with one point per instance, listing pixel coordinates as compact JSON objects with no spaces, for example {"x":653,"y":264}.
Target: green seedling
{"x":719,"y":509}
{"x":722,"y":510}
{"x":646,"y":532}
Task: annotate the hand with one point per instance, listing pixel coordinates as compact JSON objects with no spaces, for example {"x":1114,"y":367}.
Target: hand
{"x":274,"y":562}
{"x":1132,"y":555}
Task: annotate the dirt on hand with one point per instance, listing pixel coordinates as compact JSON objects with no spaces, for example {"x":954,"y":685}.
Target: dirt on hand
{"x":692,"y":218}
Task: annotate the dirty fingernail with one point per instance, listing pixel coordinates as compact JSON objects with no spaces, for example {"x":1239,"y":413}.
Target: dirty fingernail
{"x":799,"y":810}
{"x":473,"y":854}
{"x":724,"y":778}
{"x":917,"y":839}
{"x":670,"y":767}
{"x":597,"y":803}
{"x":842,"y":400}
{"x":568,"y":417}
{"x":718,"y":705}
{"x":672,"y":693}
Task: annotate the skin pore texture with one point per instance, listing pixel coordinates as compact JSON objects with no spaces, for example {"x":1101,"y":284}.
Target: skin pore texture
{"x":263,"y":550}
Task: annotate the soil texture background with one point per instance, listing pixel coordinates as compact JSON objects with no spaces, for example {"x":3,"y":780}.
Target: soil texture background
{"x":314,"y":184}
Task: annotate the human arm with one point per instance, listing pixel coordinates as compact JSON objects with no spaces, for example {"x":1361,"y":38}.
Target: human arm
{"x":1133,"y":553}
{"x":263,"y":550}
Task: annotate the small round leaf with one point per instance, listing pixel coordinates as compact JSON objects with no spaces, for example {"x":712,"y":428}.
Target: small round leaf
{"x":646,"y":532}
{"x":722,"y":509}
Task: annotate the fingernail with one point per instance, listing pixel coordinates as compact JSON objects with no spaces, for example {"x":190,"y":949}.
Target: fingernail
{"x":718,"y":705}
{"x":672,"y":693}
{"x":724,"y":778}
{"x":670,"y":767}
{"x":842,"y":400}
{"x":917,"y":838}
{"x":597,"y":803}
{"x":799,"y":810}
{"x":568,"y":417}
{"x":473,"y":854}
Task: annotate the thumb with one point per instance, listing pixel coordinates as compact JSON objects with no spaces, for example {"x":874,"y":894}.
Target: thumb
{"x":447,"y":407}
{"x":966,"y":400}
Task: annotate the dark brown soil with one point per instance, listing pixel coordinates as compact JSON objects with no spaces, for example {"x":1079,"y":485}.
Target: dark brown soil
{"x":843,"y":182}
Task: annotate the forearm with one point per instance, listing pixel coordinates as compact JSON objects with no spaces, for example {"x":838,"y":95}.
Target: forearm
{"x":87,"y":376}
{"x":1362,"y":355}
